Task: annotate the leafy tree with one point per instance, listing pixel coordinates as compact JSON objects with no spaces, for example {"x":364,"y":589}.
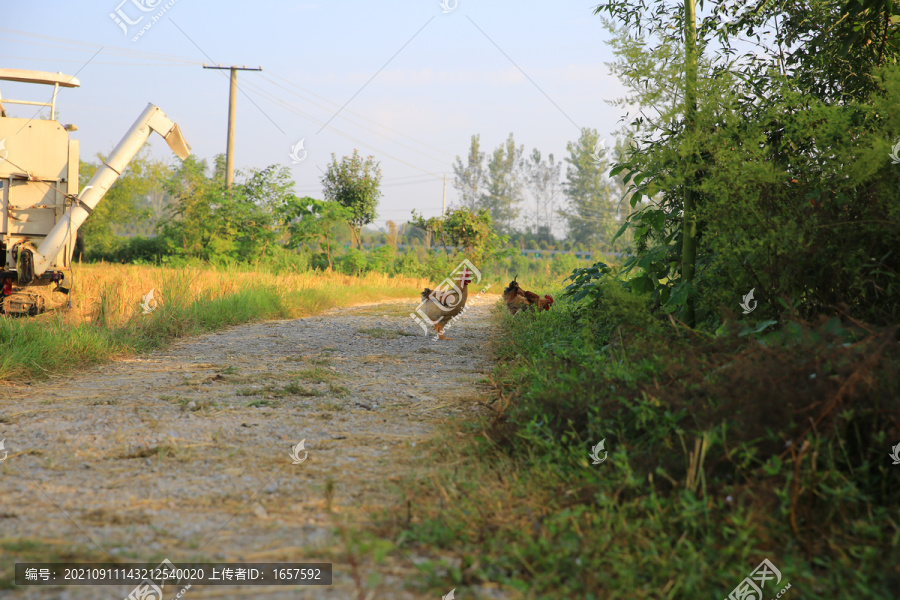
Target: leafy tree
{"x":474,"y":232}
{"x":208,"y":222}
{"x":591,"y":210}
{"x":393,"y":234}
{"x":429,"y":226}
{"x":542,"y":178}
{"x":471,"y":179}
{"x":355,"y":184}
{"x":827,"y":47}
{"x":689,"y":229}
{"x":251,"y":209}
{"x":192,"y":226}
{"x":124,"y":202}
{"x":787,"y":159}
{"x":308,"y":220}
{"x":504,"y":184}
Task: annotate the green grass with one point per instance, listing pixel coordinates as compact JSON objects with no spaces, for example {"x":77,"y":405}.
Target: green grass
{"x":315,"y":375}
{"x":36,"y":346}
{"x":382,"y":333}
{"x":261,"y":403}
{"x":338,"y":391}
{"x":293,"y":388}
{"x":698,"y":487}
{"x":55,"y":342}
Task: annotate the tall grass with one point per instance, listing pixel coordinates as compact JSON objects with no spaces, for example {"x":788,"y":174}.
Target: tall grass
{"x":723,"y":450}
{"x":106,"y":319}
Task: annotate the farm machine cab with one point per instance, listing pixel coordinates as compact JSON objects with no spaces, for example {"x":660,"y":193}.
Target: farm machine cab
{"x":40,"y":206}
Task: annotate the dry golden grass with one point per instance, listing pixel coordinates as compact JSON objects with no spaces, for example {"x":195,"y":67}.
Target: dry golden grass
{"x":113,"y":291}
{"x":106,"y":319}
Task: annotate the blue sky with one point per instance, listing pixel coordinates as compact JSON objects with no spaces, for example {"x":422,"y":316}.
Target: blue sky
{"x":453,"y":77}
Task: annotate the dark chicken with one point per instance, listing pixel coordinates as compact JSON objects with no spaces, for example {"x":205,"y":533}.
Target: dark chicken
{"x":517,"y":299}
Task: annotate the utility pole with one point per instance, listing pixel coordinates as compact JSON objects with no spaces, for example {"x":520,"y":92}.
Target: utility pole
{"x":229,"y":152}
{"x":444,"y":201}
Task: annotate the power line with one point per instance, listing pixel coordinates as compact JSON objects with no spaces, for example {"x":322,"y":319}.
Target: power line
{"x":90,"y":46}
{"x":181,"y":60}
{"x":268,"y":96}
{"x":185,"y":61}
{"x":69,"y":60}
{"x":361,"y":126}
{"x":347,"y":110}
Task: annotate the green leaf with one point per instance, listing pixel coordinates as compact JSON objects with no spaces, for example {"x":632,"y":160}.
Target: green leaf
{"x":664,"y":295}
{"x":748,"y":329}
{"x":680,"y":294}
{"x":642,"y":284}
{"x":656,"y":219}
{"x":620,"y":232}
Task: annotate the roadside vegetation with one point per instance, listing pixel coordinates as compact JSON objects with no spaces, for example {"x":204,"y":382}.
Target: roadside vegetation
{"x":107,"y":318}
{"x":740,"y":368}
{"x":723,"y":450}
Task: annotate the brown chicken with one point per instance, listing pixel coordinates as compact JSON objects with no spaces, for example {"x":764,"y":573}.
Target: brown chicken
{"x":441,"y":306}
{"x":517,"y":299}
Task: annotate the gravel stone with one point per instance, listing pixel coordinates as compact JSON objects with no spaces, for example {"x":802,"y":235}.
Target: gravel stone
{"x":169,"y":453}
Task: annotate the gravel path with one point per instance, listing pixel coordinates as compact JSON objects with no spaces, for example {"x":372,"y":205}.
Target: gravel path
{"x":185,"y":453}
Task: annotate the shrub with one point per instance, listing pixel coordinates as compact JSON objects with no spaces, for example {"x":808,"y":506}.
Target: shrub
{"x":353,"y":262}
{"x":381,"y":259}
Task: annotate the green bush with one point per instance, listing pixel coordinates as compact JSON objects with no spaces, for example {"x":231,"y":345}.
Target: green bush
{"x":136,"y":250}
{"x":561,"y":265}
{"x":381,"y":259}
{"x":409,"y":264}
{"x":353,"y":262}
{"x":743,"y":443}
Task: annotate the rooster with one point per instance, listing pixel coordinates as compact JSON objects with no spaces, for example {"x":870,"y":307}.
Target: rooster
{"x":441,"y":306}
{"x":517,"y":299}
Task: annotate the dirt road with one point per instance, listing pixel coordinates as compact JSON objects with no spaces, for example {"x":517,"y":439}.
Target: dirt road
{"x":185,"y":454}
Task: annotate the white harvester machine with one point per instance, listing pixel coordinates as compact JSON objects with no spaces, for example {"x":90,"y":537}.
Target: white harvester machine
{"x":40,"y":207}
